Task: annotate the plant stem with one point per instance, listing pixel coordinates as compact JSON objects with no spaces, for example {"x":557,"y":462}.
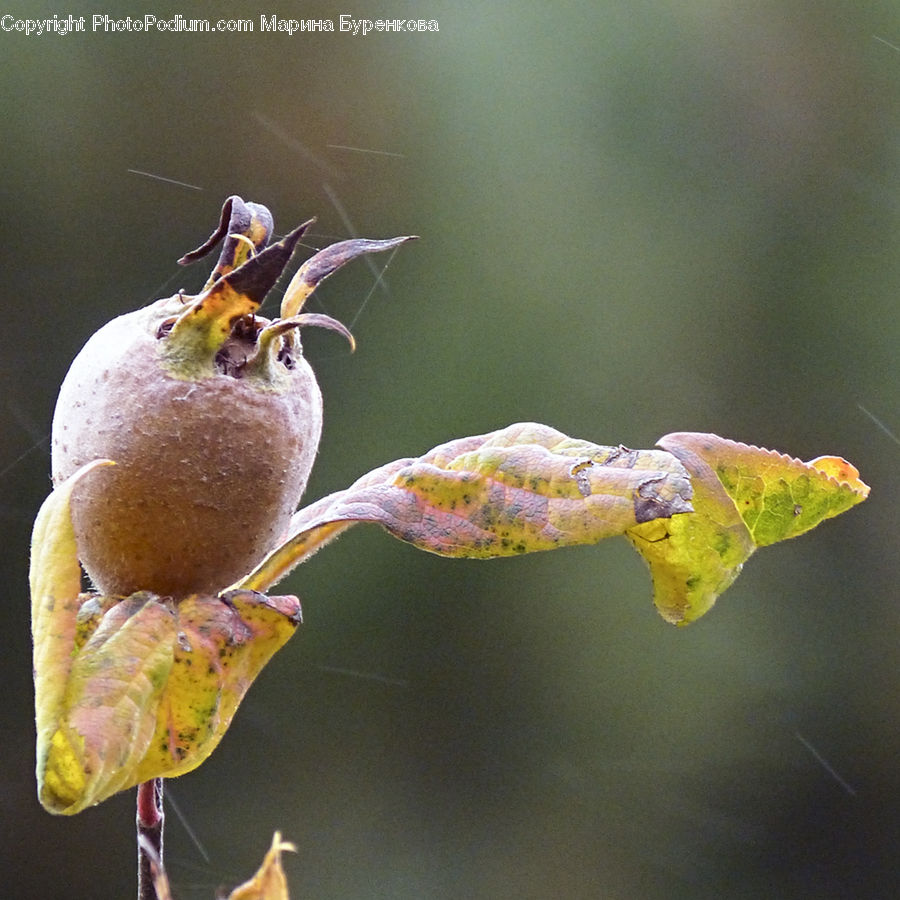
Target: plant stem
{"x":150,"y":821}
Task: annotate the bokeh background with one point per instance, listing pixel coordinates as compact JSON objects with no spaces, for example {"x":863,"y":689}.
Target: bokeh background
{"x":636,"y":217}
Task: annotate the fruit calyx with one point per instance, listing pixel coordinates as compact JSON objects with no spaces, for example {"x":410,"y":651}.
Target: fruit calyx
{"x":217,"y":331}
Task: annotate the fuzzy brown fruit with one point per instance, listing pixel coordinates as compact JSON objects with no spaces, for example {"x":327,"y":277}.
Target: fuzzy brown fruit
{"x":211,"y":414}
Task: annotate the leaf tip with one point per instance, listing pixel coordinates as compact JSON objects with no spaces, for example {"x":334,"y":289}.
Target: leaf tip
{"x":841,"y":471}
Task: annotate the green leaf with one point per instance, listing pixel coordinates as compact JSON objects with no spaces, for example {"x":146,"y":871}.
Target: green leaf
{"x":776,"y":495}
{"x":521,"y":489}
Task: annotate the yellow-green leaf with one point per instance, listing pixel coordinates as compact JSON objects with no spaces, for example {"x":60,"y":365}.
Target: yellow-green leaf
{"x":153,"y":688}
{"x":128,"y":689}
{"x":696,"y":508}
{"x":222,"y":644}
{"x":776,"y":495}
{"x":744,"y":497}
{"x":55,"y":581}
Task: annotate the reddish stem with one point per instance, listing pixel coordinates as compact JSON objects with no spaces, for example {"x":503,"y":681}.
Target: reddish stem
{"x":150,"y":821}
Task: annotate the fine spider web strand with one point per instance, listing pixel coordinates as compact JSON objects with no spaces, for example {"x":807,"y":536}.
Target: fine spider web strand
{"x":879,"y":423}
{"x":379,"y":280}
{"x":351,"y":230}
{"x":825,"y":764}
{"x":366,"y":676}
{"x":15,"y":462}
{"x":159,"y":292}
{"x":191,"y":833}
{"x":275,"y":295}
{"x":163,"y":178}
{"x":297,"y":146}
{"x":366,"y":150}
{"x":25,"y":420}
{"x":886,"y":43}
{"x":39,"y":436}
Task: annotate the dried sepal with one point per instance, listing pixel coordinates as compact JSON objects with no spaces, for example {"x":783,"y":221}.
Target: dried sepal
{"x":326,"y":262}
{"x":245,"y":227}
{"x":268,"y":883}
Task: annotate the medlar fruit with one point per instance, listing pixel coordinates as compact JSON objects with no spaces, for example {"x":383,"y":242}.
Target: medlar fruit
{"x":210,"y":413}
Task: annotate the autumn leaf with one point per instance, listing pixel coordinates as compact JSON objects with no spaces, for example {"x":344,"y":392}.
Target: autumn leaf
{"x":744,"y":497}
{"x":696,"y":508}
{"x":269,"y":882}
{"x":776,"y":496}
{"x":55,"y":582}
{"x":133,"y":688}
{"x":527,"y":487}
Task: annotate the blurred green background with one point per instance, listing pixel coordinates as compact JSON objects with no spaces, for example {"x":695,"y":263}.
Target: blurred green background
{"x":636,"y":217}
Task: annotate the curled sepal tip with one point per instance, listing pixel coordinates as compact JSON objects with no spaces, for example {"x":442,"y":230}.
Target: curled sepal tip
{"x":268,"y":345}
{"x":324,"y":263}
{"x":246,"y":228}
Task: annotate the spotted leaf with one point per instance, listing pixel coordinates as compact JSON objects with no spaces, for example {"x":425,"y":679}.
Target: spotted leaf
{"x":525,"y":488}
{"x":744,"y":497}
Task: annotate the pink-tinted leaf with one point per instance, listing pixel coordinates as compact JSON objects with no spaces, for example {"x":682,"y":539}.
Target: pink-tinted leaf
{"x":152,"y":687}
{"x":525,"y":488}
{"x":696,"y":509}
